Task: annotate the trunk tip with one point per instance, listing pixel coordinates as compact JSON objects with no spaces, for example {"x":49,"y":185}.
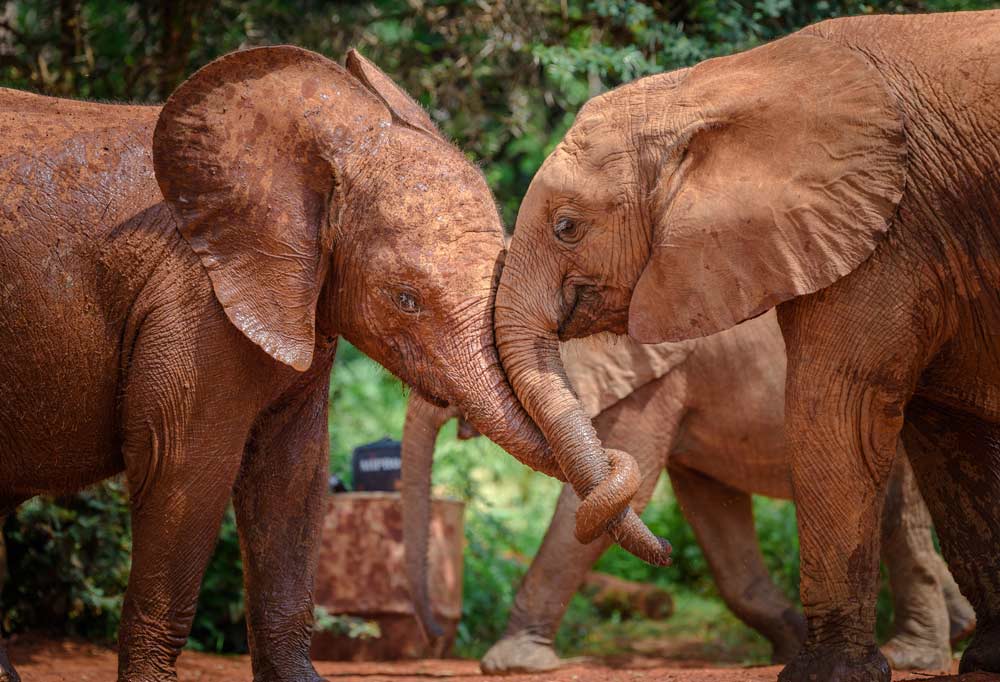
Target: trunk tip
{"x":635,"y":538}
{"x":429,"y":626}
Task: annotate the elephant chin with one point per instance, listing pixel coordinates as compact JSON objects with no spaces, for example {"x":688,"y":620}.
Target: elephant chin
{"x":605,"y":481}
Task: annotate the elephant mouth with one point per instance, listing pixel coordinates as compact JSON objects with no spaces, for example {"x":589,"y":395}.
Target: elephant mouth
{"x":591,"y":309}
{"x":575,"y":320}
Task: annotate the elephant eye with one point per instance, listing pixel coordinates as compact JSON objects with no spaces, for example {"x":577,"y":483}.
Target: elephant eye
{"x":568,"y":231}
{"x":407,"y":302}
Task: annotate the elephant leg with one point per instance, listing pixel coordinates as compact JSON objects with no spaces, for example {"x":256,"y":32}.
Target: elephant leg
{"x":956,"y":457}
{"x":854,"y":357}
{"x":722,"y":520}
{"x":961,"y":615}
{"x":182,"y":449}
{"x":279,"y":502}
{"x":643,"y":424}
{"x":920,"y":638}
{"x":177,"y":509}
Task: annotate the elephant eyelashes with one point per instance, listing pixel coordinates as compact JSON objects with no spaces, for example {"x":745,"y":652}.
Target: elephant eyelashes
{"x":568,"y":231}
{"x":407,"y":303}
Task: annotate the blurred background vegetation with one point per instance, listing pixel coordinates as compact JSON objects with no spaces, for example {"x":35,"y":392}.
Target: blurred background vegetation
{"x":503,"y":78}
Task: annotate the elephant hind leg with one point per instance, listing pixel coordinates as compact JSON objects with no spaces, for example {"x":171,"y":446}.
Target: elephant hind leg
{"x":921,"y":638}
{"x":722,"y":519}
{"x":956,"y":457}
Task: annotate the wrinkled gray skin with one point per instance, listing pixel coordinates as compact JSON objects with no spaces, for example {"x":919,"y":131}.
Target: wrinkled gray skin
{"x":714,"y":420}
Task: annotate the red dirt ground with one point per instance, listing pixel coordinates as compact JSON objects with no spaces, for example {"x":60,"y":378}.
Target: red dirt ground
{"x":40,"y":660}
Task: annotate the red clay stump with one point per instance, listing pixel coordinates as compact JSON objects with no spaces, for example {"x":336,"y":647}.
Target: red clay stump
{"x":361,"y":573}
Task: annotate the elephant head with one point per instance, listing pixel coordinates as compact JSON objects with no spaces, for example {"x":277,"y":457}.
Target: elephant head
{"x":322,"y":201}
{"x":684,"y":203}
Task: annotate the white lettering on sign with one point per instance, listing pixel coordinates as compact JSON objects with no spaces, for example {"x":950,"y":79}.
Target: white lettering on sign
{"x":379,"y":464}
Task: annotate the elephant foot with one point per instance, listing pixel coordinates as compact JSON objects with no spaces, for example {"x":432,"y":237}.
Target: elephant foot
{"x":906,"y":652}
{"x":833,"y":664}
{"x":983,"y":654}
{"x":523,"y":652}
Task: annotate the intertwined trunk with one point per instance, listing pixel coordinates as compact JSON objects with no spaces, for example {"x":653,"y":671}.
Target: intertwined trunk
{"x":604,"y":480}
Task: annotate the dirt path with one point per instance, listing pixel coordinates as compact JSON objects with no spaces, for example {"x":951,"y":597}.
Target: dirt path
{"x":64,"y":661}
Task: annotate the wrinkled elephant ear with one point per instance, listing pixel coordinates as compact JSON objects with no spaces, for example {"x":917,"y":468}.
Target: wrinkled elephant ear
{"x":404,"y":109}
{"x":786,"y":173}
{"x":249,"y":153}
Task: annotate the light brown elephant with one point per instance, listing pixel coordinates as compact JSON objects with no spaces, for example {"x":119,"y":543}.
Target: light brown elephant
{"x":848,"y":175}
{"x":173,"y":281}
{"x":710,"y":411}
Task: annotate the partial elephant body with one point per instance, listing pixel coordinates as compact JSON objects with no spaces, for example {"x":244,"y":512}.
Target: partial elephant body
{"x":711,"y":412}
{"x":847,"y":175}
{"x":715,"y":422}
{"x":107,"y":322}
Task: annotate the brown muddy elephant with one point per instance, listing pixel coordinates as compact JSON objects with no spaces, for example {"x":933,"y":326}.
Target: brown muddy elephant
{"x":847,"y":174}
{"x":173,"y":281}
{"x":710,"y":411}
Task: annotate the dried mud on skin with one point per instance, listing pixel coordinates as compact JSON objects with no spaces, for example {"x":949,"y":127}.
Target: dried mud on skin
{"x":40,"y":660}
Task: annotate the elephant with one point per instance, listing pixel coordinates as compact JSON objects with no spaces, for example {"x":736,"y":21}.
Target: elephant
{"x":845,"y":174}
{"x":710,"y":411}
{"x":174,"y":280}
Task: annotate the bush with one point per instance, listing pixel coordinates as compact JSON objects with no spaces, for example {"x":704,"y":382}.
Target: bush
{"x":68,"y":563}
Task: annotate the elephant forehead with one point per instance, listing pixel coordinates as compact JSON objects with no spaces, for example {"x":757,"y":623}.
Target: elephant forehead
{"x":573,"y":175}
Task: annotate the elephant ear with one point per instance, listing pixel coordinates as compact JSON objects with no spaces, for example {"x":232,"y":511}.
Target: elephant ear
{"x":786,"y":172}
{"x":249,"y":153}
{"x":404,"y":109}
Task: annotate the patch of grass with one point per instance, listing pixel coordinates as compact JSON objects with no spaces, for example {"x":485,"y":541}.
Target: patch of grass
{"x":702,"y":628}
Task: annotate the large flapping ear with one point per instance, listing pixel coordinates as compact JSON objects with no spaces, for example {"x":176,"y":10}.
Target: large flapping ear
{"x":785,"y":173}
{"x":247,"y":153}
{"x":404,"y":109}
{"x":603,"y":368}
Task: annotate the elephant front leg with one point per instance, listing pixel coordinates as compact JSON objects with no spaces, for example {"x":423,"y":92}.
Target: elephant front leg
{"x":849,"y":378}
{"x":180,"y":484}
{"x":279,"y":509}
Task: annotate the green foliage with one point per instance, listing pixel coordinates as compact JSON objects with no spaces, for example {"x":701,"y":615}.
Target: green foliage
{"x":68,"y":561}
{"x":355,"y":628}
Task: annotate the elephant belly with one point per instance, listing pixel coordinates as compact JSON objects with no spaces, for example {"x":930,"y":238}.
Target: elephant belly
{"x":58,"y":385}
{"x":758,"y":466}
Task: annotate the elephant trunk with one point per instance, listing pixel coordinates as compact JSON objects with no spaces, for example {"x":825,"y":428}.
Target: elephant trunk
{"x":605,"y":481}
{"x":490,"y":406}
{"x":423,"y":422}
